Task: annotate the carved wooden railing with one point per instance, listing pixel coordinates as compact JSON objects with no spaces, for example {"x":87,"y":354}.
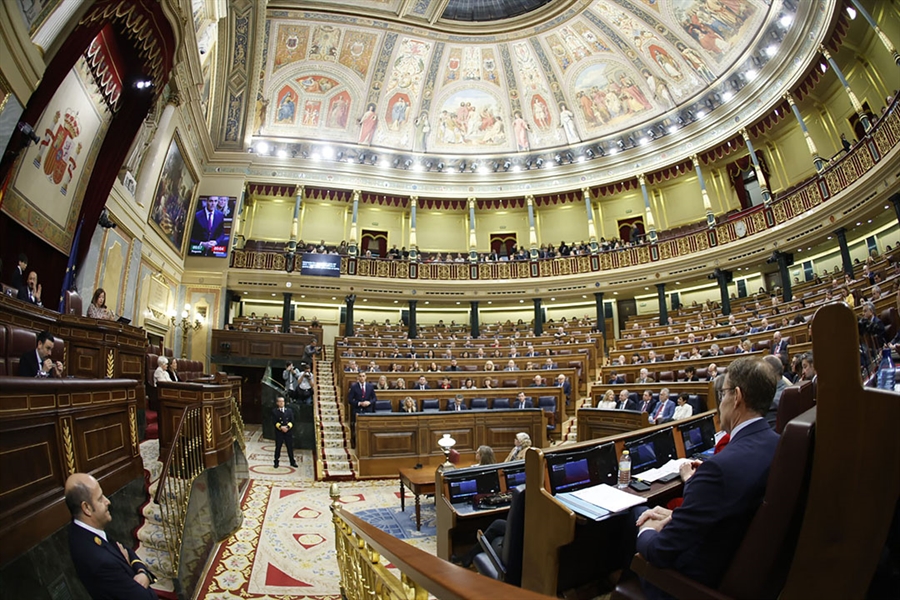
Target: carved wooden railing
{"x":183,"y":464}
{"x":794,"y":203}
{"x":360,"y":547}
{"x":237,"y":424}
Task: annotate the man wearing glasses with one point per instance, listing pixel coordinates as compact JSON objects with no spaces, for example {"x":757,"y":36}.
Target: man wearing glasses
{"x":722,"y":494}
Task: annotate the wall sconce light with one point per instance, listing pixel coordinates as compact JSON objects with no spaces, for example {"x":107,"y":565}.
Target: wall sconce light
{"x":186,"y":324}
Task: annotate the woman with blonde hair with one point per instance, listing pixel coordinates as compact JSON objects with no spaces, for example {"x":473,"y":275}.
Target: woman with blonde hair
{"x":409,"y":405}
{"x":401,"y":383}
{"x":161,"y":374}
{"x":382,"y":383}
{"x":489,"y":366}
{"x":523,"y":443}
{"x":608,"y":401}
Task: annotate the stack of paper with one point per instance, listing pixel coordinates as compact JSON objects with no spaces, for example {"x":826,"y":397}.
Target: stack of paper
{"x":667,"y":469}
{"x":608,"y":497}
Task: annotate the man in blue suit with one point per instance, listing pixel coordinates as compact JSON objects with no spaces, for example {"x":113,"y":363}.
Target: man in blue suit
{"x":566,"y":386}
{"x":283,"y":419}
{"x":209,"y":228}
{"x":361,"y":397}
{"x":107,"y":569}
{"x":664,"y":410}
{"x":457,"y":404}
{"x":722,"y":494}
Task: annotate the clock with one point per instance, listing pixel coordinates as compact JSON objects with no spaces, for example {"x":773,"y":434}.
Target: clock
{"x":740,"y":228}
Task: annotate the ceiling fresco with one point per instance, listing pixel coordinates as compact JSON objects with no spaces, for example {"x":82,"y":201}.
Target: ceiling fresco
{"x":604,"y":68}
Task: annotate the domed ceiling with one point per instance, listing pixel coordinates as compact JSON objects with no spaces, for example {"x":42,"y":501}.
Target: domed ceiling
{"x":595,"y":69}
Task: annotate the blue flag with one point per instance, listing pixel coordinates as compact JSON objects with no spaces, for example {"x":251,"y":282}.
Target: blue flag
{"x":69,"y":279}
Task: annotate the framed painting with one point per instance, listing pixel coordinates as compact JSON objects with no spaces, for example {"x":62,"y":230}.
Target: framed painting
{"x":173,"y":198}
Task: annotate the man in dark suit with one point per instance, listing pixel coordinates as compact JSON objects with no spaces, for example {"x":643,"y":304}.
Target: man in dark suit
{"x":361,"y":397}
{"x":625,"y":401}
{"x":523,"y":402}
{"x":18,"y":278}
{"x":422,"y":384}
{"x":779,"y":346}
{"x":108,"y":570}
{"x":209,"y":228}
{"x":721,"y":494}
{"x":30,"y":363}
{"x":457,"y":404}
{"x":283,"y":418}
{"x":31,"y":291}
{"x":566,"y":386}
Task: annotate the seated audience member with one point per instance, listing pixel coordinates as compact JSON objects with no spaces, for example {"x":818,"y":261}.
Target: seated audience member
{"x":537,"y":382}
{"x":712,"y":371}
{"x":490,"y":384}
{"x":489,"y":366}
{"x":409,"y":405}
{"x":779,"y":346}
{"x":808,"y":368}
{"x":49,"y":370}
{"x":31,"y":363}
{"x":647,"y":404}
{"x":511,"y":366}
{"x":457,"y":404}
{"x":522,"y":401}
{"x":644,"y":377}
{"x":485,"y":456}
{"x":434,"y":368}
{"x":172,"y":370}
{"x":31,"y":291}
{"x":608,"y":401}
{"x":699,"y":538}
{"x":625,"y":402}
{"x":107,"y":569}
{"x":613,"y":377}
{"x":665,"y":409}
{"x":683,"y":410}
{"x":690,"y":373}
{"x":566,"y":386}
{"x":97,"y":308}
{"x":400,"y":384}
{"x":422,"y":384}
{"x":469,"y":384}
{"x":523,"y":443}
{"x":415,"y":367}
{"x":777,"y":367}
{"x":161,"y":373}
{"x":445,"y":384}
{"x":382,"y":383}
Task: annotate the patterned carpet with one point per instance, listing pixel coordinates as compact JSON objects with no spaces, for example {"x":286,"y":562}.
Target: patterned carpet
{"x":286,"y":545}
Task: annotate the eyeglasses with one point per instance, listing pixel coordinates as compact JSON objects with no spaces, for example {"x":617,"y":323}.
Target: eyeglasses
{"x":725,"y":390}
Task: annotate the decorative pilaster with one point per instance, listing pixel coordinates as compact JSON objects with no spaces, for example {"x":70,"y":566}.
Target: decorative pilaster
{"x":413,"y":245}
{"x":817,"y":160}
{"x":353,"y":246}
{"x":707,"y":205}
{"x":760,"y":176}
{"x":881,"y":35}
{"x":532,"y":232}
{"x":473,"y":240}
{"x":857,"y":106}
{"x":651,"y":224}
{"x":592,"y":230}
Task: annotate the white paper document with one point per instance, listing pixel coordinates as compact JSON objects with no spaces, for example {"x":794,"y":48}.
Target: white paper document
{"x":667,"y":469}
{"x":608,"y":497}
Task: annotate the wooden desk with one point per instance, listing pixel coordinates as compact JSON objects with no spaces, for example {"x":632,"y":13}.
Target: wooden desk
{"x":419,"y":481}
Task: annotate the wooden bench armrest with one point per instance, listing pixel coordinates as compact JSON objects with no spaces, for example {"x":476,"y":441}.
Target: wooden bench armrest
{"x":673,"y":582}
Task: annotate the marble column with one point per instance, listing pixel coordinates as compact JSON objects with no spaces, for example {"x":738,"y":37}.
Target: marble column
{"x":286,"y":313}
{"x":760,"y":176}
{"x":295,"y":227}
{"x":601,"y":316}
{"x":348,"y":323}
{"x":854,"y":101}
{"x":473,"y":240}
{"x":707,"y":205}
{"x":651,"y":224}
{"x":237,"y":238}
{"x":473,"y":319}
{"x":532,"y":232}
{"x":413,"y":331}
{"x":846,"y":261}
{"x":663,"y":309}
{"x":723,"y":278}
{"x":784,"y":261}
{"x":538,"y":317}
{"x":413,"y":245}
{"x":592,"y":230}
{"x":881,"y":36}
{"x":353,"y":245}
{"x":817,"y":160}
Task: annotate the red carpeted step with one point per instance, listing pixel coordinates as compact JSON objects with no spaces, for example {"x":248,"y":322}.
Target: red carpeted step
{"x":152,"y":431}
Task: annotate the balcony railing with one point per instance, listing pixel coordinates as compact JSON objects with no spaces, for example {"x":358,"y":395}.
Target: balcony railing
{"x":790,"y":205}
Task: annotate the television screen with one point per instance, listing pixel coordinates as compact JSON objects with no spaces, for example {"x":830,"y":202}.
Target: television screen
{"x":698,"y":436}
{"x":574,"y":470}
{"x":328,"y":265}
{"x":211,"y":230}
{"x":651,"y":451}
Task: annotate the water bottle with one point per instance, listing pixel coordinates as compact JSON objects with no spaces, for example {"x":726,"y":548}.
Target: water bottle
{"x":624,"y":470}
{"x":886,"y":371}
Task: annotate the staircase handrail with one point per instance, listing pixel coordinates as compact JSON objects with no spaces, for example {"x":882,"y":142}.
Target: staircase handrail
{"x":360,"y":547}
{"x":183,"y":463}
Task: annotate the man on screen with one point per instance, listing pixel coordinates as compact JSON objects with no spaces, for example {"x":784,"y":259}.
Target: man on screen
{"x":209,"y":228}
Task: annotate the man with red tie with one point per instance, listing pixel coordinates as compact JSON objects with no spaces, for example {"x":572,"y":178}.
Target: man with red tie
{"x":209,"y":228}
{"x":665,"y":410}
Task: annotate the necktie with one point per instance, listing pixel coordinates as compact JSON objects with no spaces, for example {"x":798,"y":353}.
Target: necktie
{"x":209,"y":220}
{"x":659,"y":410}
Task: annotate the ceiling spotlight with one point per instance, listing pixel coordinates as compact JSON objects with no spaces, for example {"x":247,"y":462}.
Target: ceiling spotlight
{"x":506,"y":165}
{"x":823,"y":67}
{"x":727,"y":96}
{"x":495,"y":166}
{"x":601,"y":151}
{"x":262,"y":148}
{"x":558,"y":158}
{"x":417,"y":166}
{"x":407,"y":164}
{"x":473,"y":166}
{"x":539,"y":162}
{"x":282,"y":154}
{"x":786,"y":21}
{"x":373,"y":159}
{"x":851,"y":12}
{"x":673,"y":128}
{"x":440,"y":167}
{"x":462,"y":166}
{"x":528,"y":163}
{"x":516,"y":168}
{"x":631,"y":141}
{"x":361,"y":157}
{"x":771,"y":51}
{"x":396,"y":162}
{"x":620,"y":143}
{"x":428,"y":165}
{"x":751,"y":74}
{"x":340,"y":155}
{"x":570,"y":157}
{"x":645,"y":141}
{"x":652,"y":134}
{"x":327,"y":152}
{"x":589,"y":153}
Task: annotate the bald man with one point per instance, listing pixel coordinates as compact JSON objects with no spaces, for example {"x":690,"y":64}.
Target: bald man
{"x":108,"y":570}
